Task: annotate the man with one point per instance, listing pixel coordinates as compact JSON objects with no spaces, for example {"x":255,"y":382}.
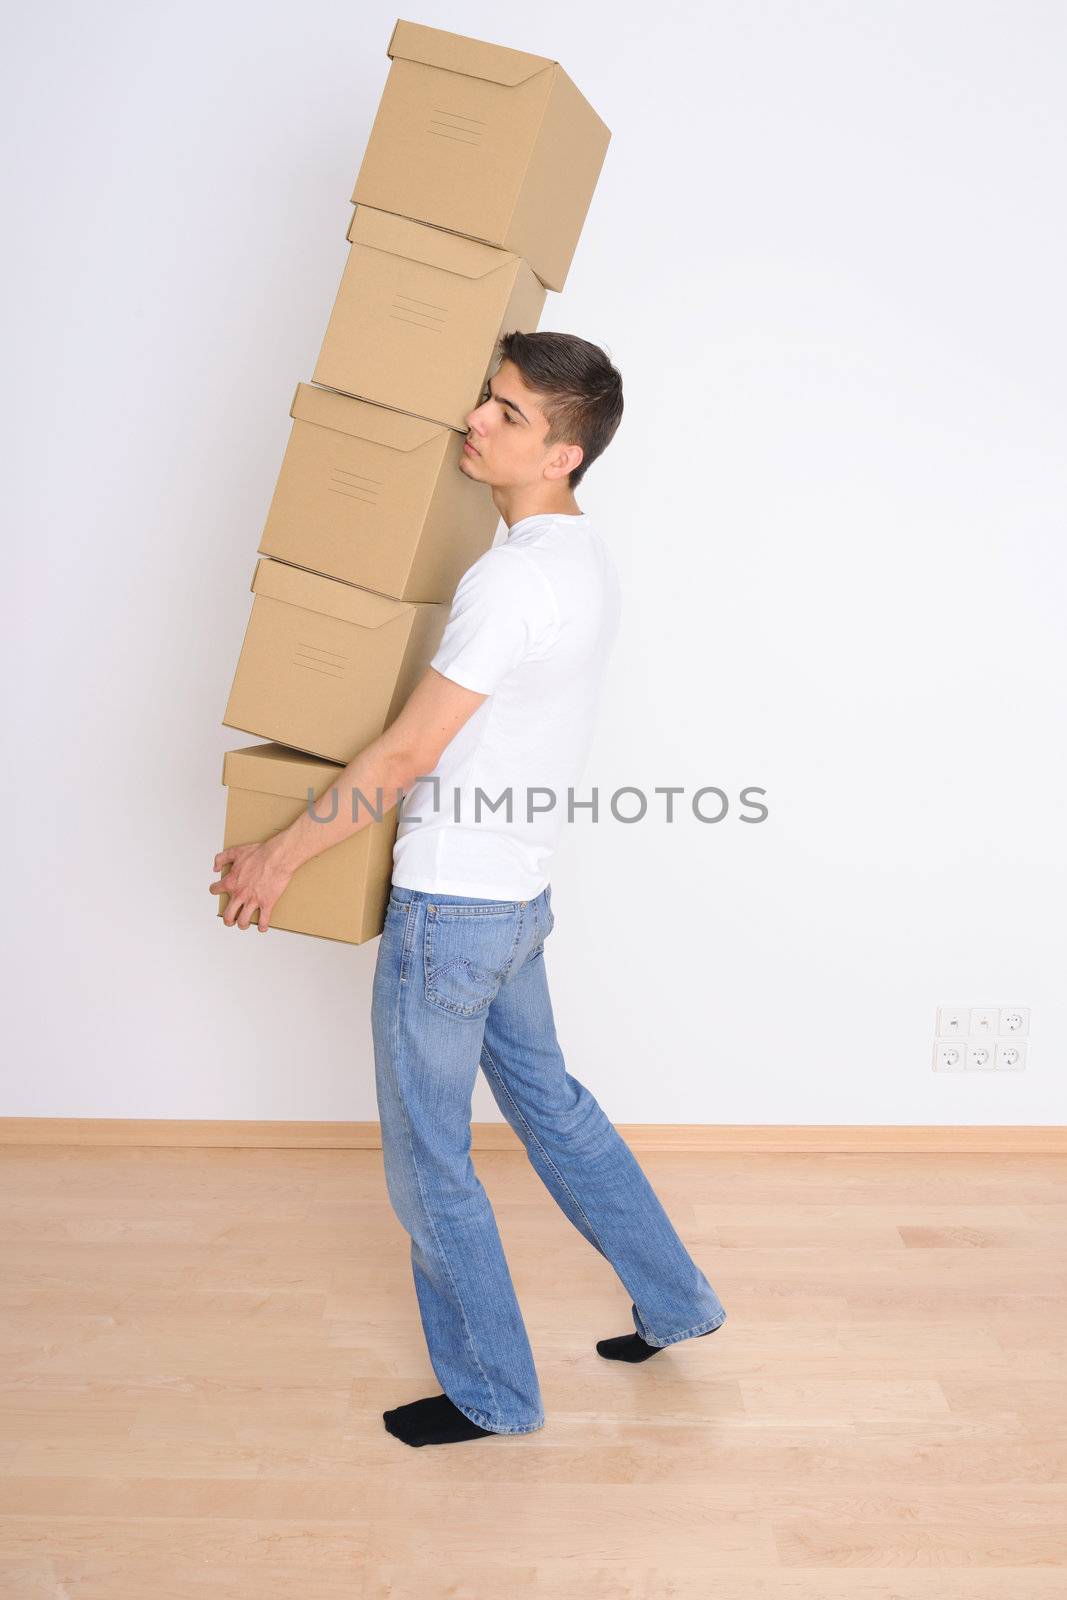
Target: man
{"x":499,"y":726}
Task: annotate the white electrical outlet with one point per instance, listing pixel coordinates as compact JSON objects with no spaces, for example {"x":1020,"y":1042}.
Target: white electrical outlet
{"x":950,"y":1055}
{"x":981,"y":1038}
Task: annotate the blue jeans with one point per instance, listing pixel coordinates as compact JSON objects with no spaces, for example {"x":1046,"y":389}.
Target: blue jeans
{"x":460,"y":983}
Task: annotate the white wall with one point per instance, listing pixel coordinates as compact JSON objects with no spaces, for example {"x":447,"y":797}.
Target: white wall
{"x":828,"y":254}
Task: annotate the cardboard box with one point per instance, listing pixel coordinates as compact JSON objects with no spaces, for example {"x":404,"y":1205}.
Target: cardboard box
{"x":325,"y":667}
{"x":488,"y":142}
{"x":376,"y":498}
{"x":418,"y":315}
{"x":340,"y":894}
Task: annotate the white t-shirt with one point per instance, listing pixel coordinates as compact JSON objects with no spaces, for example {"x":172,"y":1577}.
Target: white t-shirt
{"x":531,"y":625}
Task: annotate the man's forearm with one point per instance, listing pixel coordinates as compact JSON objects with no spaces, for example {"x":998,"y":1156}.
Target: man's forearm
{"x":377,"y":773}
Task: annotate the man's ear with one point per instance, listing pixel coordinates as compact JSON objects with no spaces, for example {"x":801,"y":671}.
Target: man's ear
{"x":563,"y":460}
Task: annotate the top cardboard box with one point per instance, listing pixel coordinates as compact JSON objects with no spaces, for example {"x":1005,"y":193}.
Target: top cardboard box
{"x":487,"y":142}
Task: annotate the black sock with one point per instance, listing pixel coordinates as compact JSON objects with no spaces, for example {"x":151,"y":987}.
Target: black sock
{"x":432,"y":1421}
{"x":631,"y":1346}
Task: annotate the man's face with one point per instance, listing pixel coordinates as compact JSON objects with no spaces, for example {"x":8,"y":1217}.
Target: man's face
{"x":506,"y":437}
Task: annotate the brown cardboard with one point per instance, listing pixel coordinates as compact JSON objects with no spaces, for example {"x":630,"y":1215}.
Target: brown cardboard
{"x":486,"y":141}
{"x":376,"y":498}
{"x":340,"y":893}
{"x":325,"y":666}
{"x":418,"y":315}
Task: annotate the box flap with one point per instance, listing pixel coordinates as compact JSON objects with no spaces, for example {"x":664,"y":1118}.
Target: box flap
{"x":418,"y":241}
{"x":276,"y":769}
{"x":454,"y":52}
{"x":278,"y":580}
{"x":360,"y":420}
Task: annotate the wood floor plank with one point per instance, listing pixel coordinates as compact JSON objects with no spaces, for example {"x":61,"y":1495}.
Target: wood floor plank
{"x":196,"y":1347}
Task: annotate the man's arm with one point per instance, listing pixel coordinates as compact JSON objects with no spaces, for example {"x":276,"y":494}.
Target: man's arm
{"x":409,"y":748}
{"x":257,"y":874}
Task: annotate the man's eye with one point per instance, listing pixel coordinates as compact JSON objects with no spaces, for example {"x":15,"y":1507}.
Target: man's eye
{"x":489,"y":395}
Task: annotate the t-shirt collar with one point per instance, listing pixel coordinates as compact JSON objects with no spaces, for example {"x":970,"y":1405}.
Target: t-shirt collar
{"x":544,"y":516}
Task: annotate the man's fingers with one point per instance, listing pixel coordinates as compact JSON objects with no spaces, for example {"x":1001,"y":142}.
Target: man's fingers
{"x":244,"y":905}
{"x":231,"y":853}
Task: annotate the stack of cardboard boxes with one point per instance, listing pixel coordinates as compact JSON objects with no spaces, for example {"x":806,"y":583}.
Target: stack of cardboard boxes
{"x":473,"y":190}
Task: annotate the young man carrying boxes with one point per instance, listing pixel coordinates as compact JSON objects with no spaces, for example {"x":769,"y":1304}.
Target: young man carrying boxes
{"x":469,"y":203}
{"x":507,"y":704}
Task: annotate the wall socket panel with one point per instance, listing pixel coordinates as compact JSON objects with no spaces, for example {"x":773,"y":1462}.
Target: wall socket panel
{"x":981,"y":1038}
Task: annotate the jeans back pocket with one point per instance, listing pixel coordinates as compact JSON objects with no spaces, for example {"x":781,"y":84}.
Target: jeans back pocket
{"x":468,"y":952}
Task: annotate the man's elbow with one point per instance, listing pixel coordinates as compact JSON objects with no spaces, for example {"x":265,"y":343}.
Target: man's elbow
{"x":433,"y":715}
{"x":406,"y":760}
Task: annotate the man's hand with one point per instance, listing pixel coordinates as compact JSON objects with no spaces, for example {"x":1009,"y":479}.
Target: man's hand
{"x":257,"y":876}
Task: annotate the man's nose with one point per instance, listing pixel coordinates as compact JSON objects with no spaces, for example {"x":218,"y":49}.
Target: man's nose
{"x":474,"y":419}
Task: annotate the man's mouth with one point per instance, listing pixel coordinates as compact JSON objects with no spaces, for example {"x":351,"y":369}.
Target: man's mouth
{"x":468,"y":446}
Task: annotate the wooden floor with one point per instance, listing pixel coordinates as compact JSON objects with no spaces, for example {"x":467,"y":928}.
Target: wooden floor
{"x":197,"y":1346}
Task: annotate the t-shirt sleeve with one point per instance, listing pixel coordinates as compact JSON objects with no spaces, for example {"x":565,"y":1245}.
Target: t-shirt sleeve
{"x":503,"y":610}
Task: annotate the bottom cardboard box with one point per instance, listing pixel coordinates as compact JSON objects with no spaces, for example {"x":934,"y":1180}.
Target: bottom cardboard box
{"x":339,"y":894}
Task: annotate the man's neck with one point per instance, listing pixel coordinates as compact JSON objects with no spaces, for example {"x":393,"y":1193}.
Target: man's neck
{"x":515,"y":505}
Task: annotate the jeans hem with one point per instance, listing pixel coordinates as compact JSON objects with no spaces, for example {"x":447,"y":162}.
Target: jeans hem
{"x":689,"y":1333}
{"x":483,"y":1421}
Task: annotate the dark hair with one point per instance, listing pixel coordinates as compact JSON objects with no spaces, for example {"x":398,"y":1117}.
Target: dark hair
{"x":582,"y":390}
